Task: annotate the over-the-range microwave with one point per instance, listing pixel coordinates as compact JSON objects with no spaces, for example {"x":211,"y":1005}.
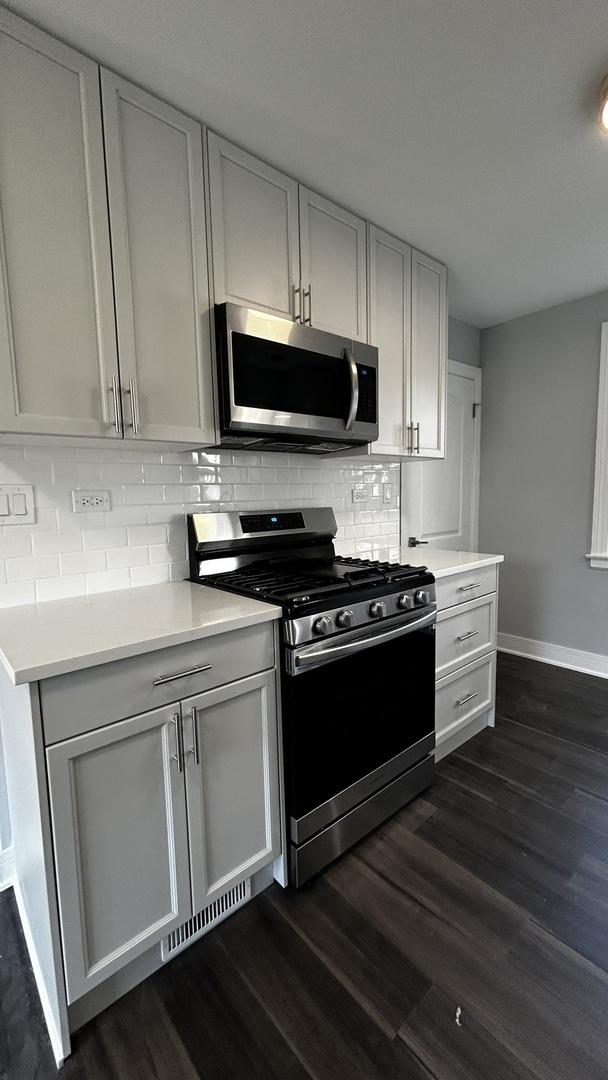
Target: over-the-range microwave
{"x":286,"y":386}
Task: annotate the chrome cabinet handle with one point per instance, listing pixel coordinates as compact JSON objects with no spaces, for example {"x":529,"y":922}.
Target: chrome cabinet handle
{"x":162,"y":679}
{"x":179,"y":742}
{"x":194,"y":749}
{"x":307,"y":293}
{"x":354,"y":389}
{"x":467,"y":697}
{"x":473,"y":585}
{"x":410,"y":439}
{"x":469,"y":634}
{"x":116,"y":400}
{"x":132,"y":392}
{"x":417,"y":438}
{"x":297,"y":303}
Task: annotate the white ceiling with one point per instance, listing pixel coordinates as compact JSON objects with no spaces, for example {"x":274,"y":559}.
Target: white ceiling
{"x":466,"y":127}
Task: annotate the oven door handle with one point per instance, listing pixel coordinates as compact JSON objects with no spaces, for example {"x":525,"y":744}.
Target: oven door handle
{"x":331,"y":652}
{"x":354,"y":389}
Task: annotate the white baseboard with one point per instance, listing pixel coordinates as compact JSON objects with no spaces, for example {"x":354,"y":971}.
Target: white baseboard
{"x":575,"y":659}
{"x":7,"y":868}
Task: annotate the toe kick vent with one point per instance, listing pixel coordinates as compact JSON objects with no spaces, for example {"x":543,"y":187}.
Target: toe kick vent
{"x":206,"y":919}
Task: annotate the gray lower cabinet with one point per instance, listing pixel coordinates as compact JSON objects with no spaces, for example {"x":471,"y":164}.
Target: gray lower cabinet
{"x":121,"y":843}
{"x":155,"y":816}
{"x":231,"y":784}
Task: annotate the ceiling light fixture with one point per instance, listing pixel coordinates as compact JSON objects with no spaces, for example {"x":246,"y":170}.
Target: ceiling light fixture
{"x":603,"y":113}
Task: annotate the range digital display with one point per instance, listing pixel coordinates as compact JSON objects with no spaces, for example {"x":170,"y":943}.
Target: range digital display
{"x":252,"y":523}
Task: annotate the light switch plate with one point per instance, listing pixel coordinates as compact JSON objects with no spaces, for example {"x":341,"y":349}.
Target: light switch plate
{"x":20,"y":500}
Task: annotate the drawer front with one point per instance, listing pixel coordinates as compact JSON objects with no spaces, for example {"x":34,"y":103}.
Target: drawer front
{"x":464,"y":633}
{"x":463,"y":696}
{"x":84,"y":700}
{"x":458,"y":588}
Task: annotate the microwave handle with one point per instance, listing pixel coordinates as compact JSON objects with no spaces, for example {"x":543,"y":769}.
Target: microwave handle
{"x":354,"y":389}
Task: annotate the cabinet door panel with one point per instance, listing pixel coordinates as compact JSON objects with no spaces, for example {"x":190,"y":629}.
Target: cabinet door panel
{"x":333,"y":259}
{"x":254,"y":229}
{"x":57,"y":336}
{"x":232,"y":793}
{"x":157,"y":214}
{"x":389,"y":329}
{"x":121,"y":851}
{"x":429,"y":354}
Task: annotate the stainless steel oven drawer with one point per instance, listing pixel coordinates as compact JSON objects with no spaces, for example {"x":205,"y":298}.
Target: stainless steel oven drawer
{"x":309,"y":858}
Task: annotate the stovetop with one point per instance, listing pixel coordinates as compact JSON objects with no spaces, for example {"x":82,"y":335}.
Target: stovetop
{"x":296,"y":584}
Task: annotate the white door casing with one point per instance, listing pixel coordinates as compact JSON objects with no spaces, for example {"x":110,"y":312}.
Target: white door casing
{"x":440,"y":499}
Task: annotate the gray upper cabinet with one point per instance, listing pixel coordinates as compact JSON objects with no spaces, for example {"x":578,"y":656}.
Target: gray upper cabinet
{"x":57,"y":335}
{"x":333,"y":265}
{"x":157,"y":213}
{"x":231,"y":784}
{"x":254,"y":230}
{"x":390,"y":263}
{"x":121,"y":843}
{"x":429,"y":356}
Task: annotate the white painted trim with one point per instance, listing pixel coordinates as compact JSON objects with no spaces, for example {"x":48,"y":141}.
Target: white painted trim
{"x":559,"y":655}
{"x":7,"y":867}
{"x":598,"y":559}
{"x":54,"y":1035}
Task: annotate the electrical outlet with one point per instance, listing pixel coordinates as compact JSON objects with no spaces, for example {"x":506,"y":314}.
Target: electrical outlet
{"x":85,"y":501}
{"x":360,"y":493}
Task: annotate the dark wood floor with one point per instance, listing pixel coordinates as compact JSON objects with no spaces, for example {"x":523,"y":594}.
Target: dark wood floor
{"x":466,"y":940}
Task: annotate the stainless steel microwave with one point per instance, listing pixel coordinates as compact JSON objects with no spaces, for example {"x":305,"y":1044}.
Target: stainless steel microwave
{"x":285,"y":386}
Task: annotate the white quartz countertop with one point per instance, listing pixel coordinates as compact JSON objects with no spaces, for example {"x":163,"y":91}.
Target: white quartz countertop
{"x":52,"y":638}
{"x":442,"y":563}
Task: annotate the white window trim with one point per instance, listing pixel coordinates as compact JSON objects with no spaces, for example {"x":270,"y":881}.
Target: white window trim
{"x":598,"y":558}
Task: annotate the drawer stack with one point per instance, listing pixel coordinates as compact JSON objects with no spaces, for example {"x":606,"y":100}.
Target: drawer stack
{"x":466,"y":656}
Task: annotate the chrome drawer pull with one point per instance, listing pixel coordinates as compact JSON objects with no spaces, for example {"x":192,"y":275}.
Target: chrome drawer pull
{"x":467,"y":697}
{"x":467,"y":588}
{"x":469,"y":634}
{"x":195,"y":749}
{"x":162,"y":679}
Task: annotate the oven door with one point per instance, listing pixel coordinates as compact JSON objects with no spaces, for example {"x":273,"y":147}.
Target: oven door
{"x":359,"y":712}
{"x":283,"y":378}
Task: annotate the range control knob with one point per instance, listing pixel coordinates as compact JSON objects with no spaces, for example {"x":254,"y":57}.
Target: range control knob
{"x":345,"y":618}
{"x":322,"y":625}
{"x":377,"y":610}
{"x":405,"y":601}
{"x":421,"y":597}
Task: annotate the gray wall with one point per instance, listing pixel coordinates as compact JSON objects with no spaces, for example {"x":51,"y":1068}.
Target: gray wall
{"x":463,"y":342}
{"x":540,"y":386}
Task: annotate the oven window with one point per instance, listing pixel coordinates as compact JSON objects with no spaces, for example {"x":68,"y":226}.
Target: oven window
{"x":283,"y":378}
{"x":345,"y":719}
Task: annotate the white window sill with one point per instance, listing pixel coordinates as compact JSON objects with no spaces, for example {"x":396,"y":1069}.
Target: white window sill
{"x":598,"y":562}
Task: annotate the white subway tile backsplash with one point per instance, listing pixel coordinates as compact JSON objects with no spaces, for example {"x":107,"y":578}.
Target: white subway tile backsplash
{"x":107,"y":581}
{"x":53,"y":543}
{"x":28,"y":569}
{"x":142,"y":539}
{"x":127,"y":556}
{"x":82,"y":562}
{"x":149,"y":575}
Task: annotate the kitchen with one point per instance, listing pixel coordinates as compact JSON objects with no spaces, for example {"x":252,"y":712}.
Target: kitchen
{"x":251,"y":447}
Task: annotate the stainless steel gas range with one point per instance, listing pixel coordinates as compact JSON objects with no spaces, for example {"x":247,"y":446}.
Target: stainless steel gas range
{"x":357,"y":670}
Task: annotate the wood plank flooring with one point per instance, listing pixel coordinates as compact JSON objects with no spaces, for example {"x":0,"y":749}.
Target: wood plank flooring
{"x":488,"y":895}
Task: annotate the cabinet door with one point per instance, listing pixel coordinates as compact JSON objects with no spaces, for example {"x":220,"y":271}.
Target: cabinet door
{"x":429,"y":355}
{"x":333,"y":266}
{"x":157,"y":215}
{"x":121,"y":848}
{"x":57,"y":335}
{"x":390,"y":263}
{"x":254,"y":229}
{"x":231,"y":784}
